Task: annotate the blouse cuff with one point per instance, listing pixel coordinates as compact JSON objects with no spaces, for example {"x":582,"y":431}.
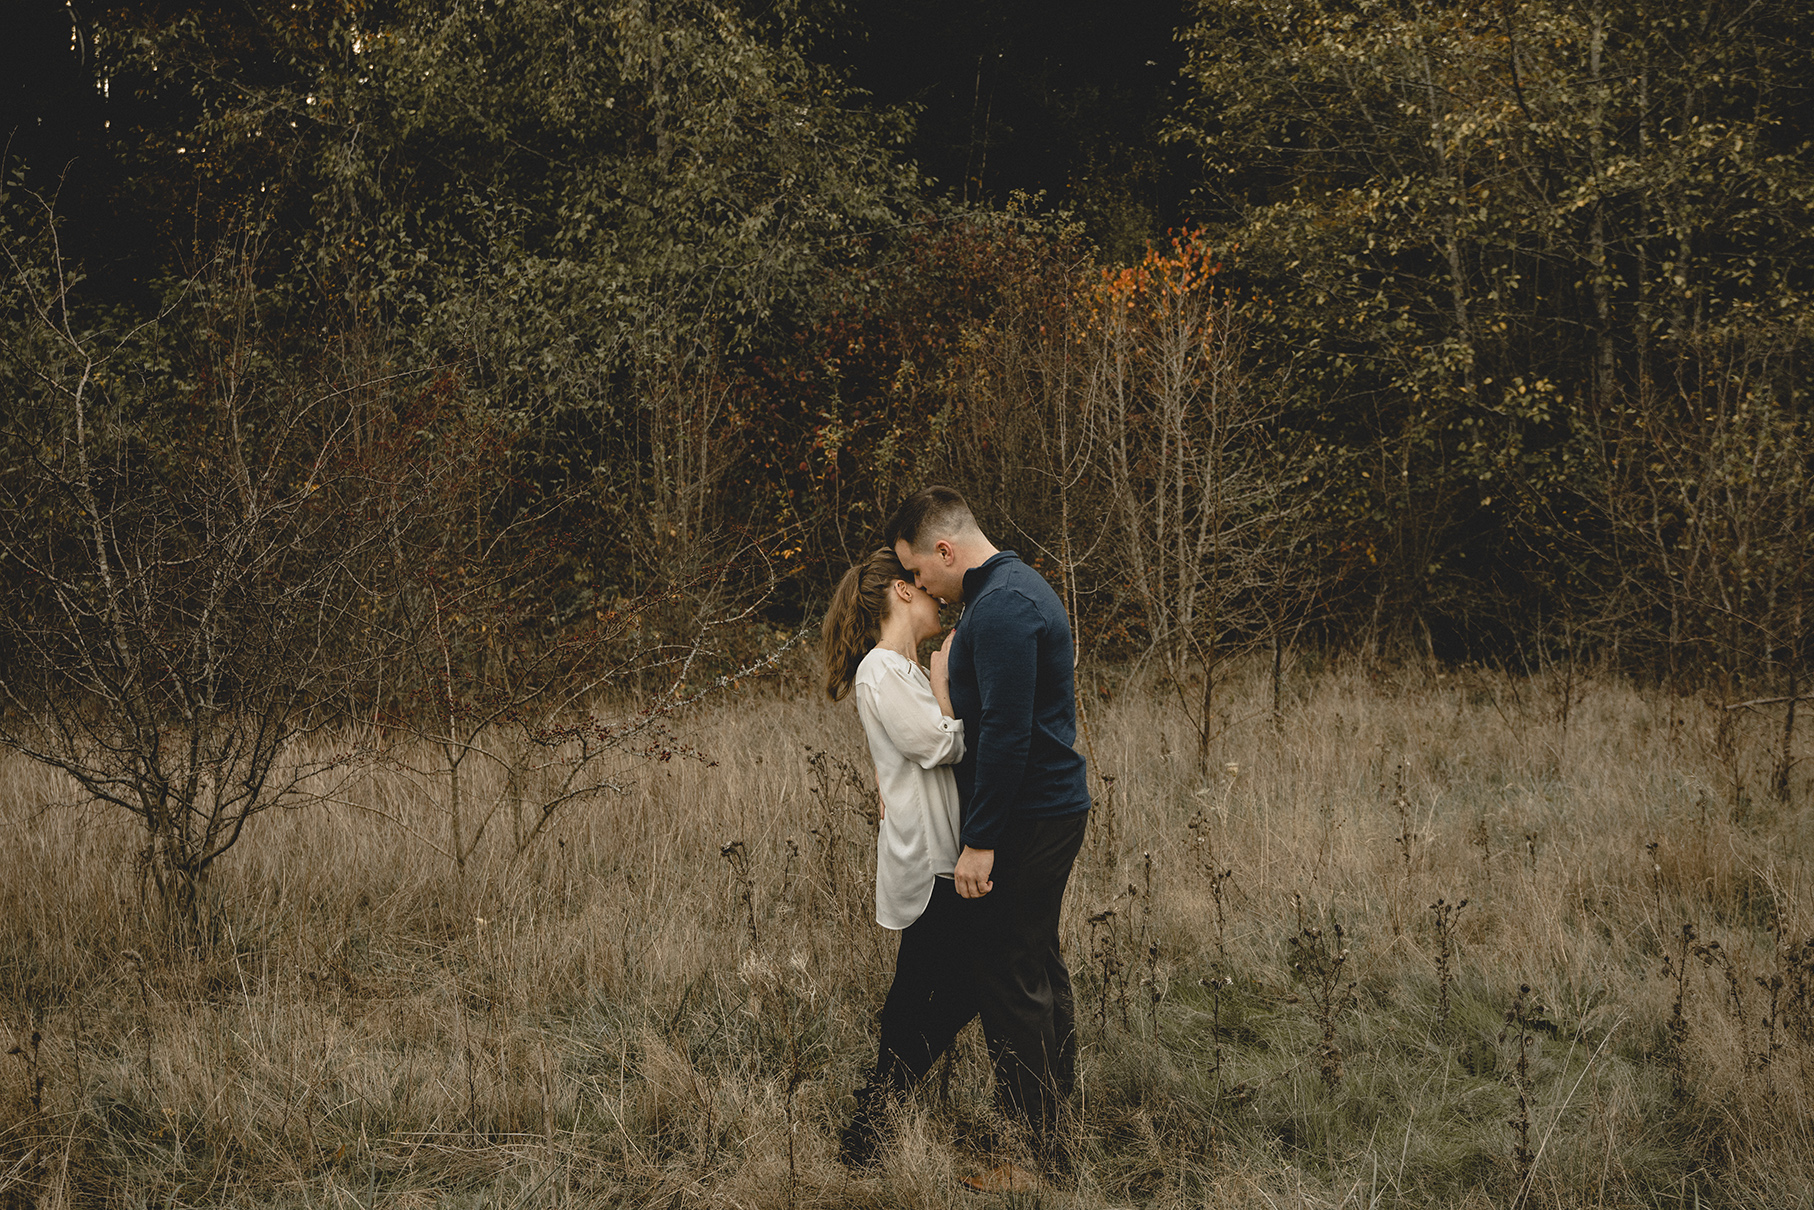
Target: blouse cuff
{"x":954,"y":727}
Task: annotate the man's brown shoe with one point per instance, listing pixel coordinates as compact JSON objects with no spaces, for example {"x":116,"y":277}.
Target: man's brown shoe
{"x":1003,"y":1178}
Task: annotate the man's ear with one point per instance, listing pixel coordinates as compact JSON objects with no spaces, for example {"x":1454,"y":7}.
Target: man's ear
{"x":946,"y":552}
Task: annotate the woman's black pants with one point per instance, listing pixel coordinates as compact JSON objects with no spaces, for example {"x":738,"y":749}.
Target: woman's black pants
{"x":933,"y":995}
{"x":997,"y":956}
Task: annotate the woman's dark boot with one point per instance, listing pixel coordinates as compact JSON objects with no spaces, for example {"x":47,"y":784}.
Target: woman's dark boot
{"x":861,"y":1139}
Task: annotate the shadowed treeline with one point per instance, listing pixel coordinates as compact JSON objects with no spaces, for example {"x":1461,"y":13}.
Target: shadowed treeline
{"x":1522,"y":300}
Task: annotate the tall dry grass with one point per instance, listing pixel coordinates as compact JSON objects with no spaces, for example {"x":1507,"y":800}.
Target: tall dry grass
{"x":668,"y":1000}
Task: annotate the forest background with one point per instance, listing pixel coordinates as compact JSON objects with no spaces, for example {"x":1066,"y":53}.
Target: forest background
{"x":1509,"y":310}
{"x":1516,"y":302}
{"x":401,"y":378}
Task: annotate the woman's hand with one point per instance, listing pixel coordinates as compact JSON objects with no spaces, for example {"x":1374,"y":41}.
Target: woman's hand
{"x":941,"y":674}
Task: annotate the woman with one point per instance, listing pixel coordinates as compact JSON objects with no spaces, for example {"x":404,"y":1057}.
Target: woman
{"x":870,"y":643}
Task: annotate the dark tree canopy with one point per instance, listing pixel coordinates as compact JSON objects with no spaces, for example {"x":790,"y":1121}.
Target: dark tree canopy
{"x":1062,"y":99}
{"x":1532,"y":285}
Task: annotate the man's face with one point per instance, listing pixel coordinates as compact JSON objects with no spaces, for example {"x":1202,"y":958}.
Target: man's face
{"x":934,"y":569}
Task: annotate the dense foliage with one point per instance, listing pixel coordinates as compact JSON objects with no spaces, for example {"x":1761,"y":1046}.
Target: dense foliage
{"x":1516,"y":304}
{"x":1539,"y":270}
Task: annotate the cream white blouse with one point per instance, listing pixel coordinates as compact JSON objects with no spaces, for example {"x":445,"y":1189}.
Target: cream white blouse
{"x":913,"y":745}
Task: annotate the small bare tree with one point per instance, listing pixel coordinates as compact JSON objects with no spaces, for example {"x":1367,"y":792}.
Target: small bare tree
{"x":1706,"y":480}
{"x":1202,"y":484}
{"x":173,"y":538}
{"x":1031,"y":434}
{"x":485,"y":694}
{"x":210,"y":557}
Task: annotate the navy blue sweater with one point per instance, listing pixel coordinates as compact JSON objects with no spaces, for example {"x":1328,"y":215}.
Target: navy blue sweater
{"x":1012,"y":684}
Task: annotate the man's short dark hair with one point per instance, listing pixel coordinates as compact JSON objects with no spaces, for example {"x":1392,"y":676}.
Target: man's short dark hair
{"x":931,"y":512}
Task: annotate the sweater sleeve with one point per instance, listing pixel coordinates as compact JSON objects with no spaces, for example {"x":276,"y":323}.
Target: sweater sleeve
{"x":910,"y":715}
{"x":1005,"y":643}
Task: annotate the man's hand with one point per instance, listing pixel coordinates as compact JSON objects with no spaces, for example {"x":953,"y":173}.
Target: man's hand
{"x":972,"y":874}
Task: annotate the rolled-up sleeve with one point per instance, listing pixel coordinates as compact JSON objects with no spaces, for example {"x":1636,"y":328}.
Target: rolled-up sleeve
{"x":910,"y":714}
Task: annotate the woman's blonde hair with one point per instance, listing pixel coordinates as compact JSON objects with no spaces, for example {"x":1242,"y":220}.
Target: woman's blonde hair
{"x":853,"y":624}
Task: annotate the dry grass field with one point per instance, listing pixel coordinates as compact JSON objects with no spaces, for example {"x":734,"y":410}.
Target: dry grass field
{"x":668,"y":1001}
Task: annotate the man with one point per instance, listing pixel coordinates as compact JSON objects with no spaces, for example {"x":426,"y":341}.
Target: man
{"x":1023,"y":792}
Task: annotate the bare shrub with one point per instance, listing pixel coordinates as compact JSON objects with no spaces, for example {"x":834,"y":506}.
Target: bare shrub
{"x":177,"y":581}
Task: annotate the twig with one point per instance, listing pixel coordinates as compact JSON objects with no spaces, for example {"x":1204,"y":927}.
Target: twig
{"x":1771,"y":701}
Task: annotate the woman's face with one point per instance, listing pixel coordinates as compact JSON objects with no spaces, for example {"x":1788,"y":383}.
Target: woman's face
{"x":921,"y":609}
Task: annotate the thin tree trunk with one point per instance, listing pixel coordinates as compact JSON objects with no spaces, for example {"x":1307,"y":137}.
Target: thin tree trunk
{"x":1601,"y":275}
{"x":1786,"y":761}
{"x":1209,"y":693}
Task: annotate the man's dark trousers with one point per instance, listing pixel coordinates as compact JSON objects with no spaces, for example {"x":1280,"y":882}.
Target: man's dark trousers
{"x":1022,"y":985}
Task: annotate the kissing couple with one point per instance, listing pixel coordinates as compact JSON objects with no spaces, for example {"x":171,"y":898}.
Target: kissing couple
{"x":984,"y":807}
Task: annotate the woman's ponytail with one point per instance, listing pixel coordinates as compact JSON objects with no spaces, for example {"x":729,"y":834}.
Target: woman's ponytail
{"x":853,"y":624}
